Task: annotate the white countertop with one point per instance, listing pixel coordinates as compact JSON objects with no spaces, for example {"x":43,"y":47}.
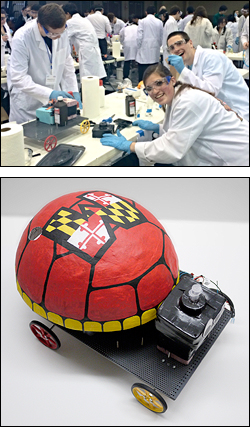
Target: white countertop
{"x":96,"y":154}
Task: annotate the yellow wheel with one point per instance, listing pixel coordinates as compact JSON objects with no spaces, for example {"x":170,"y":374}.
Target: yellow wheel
{"x":84,"y":126}
{"x":149,"y":398}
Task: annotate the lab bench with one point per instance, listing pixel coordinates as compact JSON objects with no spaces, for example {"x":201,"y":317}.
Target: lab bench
{"x":95,"y":153}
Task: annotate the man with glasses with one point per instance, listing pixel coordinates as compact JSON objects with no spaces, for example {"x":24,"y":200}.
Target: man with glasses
{"x":41,"y":66}
{"x":210,"y":70}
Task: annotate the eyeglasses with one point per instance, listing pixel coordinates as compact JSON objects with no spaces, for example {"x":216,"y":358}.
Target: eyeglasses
{"x":53,"y":35}
{"x":157,"y":84}
{"x":3,"y":18}
{"x":177,"y":44}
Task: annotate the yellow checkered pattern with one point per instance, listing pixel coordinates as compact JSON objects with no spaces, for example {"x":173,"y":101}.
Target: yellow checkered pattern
{"x":120,"y":212}
{"x":64,"y":222}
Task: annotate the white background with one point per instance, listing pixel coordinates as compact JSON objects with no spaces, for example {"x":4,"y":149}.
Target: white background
{"x":207,"y":220}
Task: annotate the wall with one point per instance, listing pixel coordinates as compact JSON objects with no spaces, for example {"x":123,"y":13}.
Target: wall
{"x":217,"y":199}
{"x":211,"y":6}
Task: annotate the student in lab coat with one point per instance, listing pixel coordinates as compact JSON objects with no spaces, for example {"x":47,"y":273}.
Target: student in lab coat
{"x":149,"y":40}
{"x":102,"y":27}
{"x":197,"y":130}
{"x":233,"y":25}
{"x":128,"y":38}
{"x":115,"y":23}
{"x":241,"y":22}
{"x":6,"y":37}
{"x":83,"y":36}
{"x":199,"y":28}
{"x":210,"y":70}
{"x":245,"y":42}
{"x":41,"y":66}
{"x":222,"y":35}
{"x":170,"y":26}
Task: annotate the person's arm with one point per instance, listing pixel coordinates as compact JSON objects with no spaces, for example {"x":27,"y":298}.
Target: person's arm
{"x":140,"y":34}
{"x":213,"y":69}
{"x":20,"y":78}
{"x":229,"y":38}
{"x":108,"y":28}
{"x":245,"y":35}
{"x":187,"y":122}
{"x":69,"y":80}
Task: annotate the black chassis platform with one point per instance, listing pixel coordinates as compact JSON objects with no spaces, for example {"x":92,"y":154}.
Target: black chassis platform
{"x":135,"y":350}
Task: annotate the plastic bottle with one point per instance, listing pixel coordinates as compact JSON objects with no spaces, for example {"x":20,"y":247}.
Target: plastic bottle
{"x":130,"y":105}
{"x":61,"y":112}
{"x":149,"y":106}
{"x":102,"y":93}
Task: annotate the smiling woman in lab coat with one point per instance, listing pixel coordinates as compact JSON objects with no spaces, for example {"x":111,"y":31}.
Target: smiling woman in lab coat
{"x":197,"y":129}
{"x":33,"y":72}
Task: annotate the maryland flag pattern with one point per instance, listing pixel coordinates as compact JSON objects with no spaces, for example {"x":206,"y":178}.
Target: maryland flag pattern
{"x":91,"y":230}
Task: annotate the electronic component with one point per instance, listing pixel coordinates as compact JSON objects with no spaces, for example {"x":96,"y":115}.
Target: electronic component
{"x":46,"y":115}
{"x":186,"y":317}
{"x":122,"y":124}
{"x":100,"y":129}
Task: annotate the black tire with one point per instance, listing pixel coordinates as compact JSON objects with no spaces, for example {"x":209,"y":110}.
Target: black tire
{"x":149,"y":398}
{"x":44,"y":334}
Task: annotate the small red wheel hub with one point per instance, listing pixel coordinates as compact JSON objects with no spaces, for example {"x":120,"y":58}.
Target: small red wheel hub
{"x":43,"y":335}
{"x":50,"y":143}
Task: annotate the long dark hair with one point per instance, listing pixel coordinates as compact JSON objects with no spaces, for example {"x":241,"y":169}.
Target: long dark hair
{"x":199,"y":11}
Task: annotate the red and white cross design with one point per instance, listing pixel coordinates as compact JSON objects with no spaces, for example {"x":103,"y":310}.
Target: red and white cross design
{"x":102,"y":198}
{"x":90,"y":236}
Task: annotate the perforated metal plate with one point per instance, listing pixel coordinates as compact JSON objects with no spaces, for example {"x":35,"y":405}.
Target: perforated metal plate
{"x":135,"y":351}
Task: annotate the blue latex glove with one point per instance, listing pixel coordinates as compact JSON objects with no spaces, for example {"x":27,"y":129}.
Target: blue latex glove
{"x":55,"y":93}
{"x":78,"y":98}
{"x":177,"y":62}
{"x":237,"y":40}
{"x":118,"y":141}
{"x":147,"y":125}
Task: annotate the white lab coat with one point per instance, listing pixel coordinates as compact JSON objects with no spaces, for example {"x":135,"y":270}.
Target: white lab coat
{"x":28,"y":67}
{"x":7,"y":28}
{"x":128,"y":38}
{"x":234,"y":28}
{"x":223,"y":39}
{"x":214,"y":72}
{"x":100,"y":23}
{"x":198,"y":131}
{"x":170,"y":26}
{"x":183,"y":22}
{"x":200,"y":32}
{"x":117,"y":27}
{"x":83,"y":36}
{"x":245,"y":38}
{"x":2,"y":52}
{"x":241,"y":23}
{"x":149,"y":40}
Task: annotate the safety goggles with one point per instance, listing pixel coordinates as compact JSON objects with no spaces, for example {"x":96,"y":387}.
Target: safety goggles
{"x":177,"y":44}
{"x":157,"y":84}
{"x":53,"y":35}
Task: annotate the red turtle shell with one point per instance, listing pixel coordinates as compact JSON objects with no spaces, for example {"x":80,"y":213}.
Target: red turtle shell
{"x":95,"y":261}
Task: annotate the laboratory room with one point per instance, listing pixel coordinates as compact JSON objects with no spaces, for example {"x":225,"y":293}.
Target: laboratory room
{"x":134,"y":84}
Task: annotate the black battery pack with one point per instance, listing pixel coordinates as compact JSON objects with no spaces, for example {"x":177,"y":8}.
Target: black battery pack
{"x":186,"y":317}
{"x":100,"y":129}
